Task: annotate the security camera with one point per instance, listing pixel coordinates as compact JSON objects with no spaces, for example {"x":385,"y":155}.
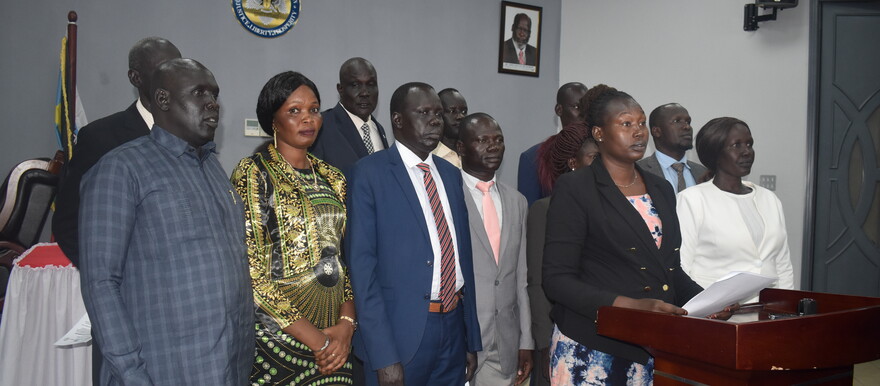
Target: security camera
{"x":751,"y":17}
{"x":778,"y":4}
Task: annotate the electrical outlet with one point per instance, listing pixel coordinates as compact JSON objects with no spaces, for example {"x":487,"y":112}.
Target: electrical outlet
{"x":768,"y":182}
{"x":252,"y":128}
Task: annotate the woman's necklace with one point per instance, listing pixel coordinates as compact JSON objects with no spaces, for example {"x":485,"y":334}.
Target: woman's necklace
{"x":635,"y":178}
{"x":299,"y":174}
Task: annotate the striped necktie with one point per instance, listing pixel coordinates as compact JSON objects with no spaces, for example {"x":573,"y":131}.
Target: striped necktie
{"x":447,"y":250}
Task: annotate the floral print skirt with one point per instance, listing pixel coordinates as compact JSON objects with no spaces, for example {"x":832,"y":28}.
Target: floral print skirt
{"x":572,"y":363}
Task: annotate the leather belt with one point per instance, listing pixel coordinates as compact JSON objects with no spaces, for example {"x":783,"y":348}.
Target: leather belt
{"x":437,"y":306}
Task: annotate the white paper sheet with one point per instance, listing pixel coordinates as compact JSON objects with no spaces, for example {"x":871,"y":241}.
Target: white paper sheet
{"x":730,"y":289}
{"x":81,"y":333}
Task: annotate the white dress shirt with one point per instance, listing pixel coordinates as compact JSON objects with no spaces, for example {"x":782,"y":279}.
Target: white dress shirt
{"x":375,"y":138}
{"x":145,"y":114}
{"x":416,"y":176}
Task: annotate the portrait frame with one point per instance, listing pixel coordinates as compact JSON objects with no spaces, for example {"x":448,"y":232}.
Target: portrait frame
{"x":509,"y":50}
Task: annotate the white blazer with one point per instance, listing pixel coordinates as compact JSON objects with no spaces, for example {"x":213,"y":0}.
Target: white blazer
{"x":716,"y":241}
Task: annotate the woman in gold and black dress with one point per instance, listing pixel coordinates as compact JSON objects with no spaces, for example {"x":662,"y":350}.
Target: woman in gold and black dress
{"x":295,"y":221}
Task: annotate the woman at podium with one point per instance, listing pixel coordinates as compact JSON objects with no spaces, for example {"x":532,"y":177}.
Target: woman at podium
{"x":612,"y":240}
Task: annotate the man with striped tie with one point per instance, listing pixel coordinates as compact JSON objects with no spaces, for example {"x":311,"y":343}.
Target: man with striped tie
{"x":409,"y":252}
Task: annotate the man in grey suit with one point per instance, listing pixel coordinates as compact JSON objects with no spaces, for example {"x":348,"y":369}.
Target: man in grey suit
{"x":673,"y":136}
{"x":497,"y":219}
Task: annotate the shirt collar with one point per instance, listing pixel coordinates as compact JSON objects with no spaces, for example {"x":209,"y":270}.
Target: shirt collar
{"x":667,"y":161}
{"x":179,"y":147}
{"x":410,"y":159}
{"x":146,"y":115}
{"x":358,"y":122}
{"x":472,"y":181}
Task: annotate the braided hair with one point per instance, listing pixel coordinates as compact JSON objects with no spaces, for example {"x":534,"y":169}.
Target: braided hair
{"x":554,"y":153}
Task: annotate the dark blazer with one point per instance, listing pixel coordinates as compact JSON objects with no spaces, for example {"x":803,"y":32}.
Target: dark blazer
{"x":339,"y":143}
{"x":93,"y":141}
{"x":391,"y":260}
{"x":536,"y":230}
{"x":598,"y":247}
{"x":511,"y":56}
{"x":652,"y":165}
{"x":527,"y":175}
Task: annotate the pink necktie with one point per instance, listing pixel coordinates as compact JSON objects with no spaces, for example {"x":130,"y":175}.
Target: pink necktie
{"x":522,"y":58}
{"x":490,"y":218}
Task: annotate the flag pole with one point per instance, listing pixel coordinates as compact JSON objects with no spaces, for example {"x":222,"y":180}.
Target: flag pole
{"x":71,"y":72}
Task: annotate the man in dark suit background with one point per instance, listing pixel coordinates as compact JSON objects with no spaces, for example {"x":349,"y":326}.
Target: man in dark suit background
{"x":409,"y":251}
{"x":517,"y":49}
{"x":99,"y":137}
{"x":673,"y":136}
{"x":350,"y":132}
{"x":568,"y":99}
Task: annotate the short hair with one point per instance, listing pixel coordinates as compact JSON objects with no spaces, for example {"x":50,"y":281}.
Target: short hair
{"x":554,"y":153}
{"x":595,"y":103}
{"x":166,"y":71}
{"x":711,"y":138}
{"x":276,"y":91}
{"x":145,"y":47}
{"x":568,"y":86}
{"x":654,"y":118}
{"x":470,"y":120}
{"x":396,"y":105}
{"x":519,"y":16}
{"x":447,"y":90}
{"x":352,"y":61}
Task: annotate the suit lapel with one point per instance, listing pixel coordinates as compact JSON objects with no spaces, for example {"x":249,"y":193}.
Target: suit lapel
{"x":624,"y":209}
{"x":134,"y":122}
{"x":666,"y":211}
{"x":349,"y":132}
{"x":509,"y":224}
{"x":381,"y":132}
{"x":476,"y":222}
{"x":398,"y":169}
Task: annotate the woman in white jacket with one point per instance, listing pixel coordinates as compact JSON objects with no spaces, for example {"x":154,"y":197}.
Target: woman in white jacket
{"x":728,"y":224}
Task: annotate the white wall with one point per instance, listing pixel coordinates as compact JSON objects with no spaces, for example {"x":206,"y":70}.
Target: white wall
{"x":450,"y":43}
{"x":695,"y":52}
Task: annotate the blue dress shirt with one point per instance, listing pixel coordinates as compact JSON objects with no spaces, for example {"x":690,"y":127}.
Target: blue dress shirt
{"x":671,"y":175}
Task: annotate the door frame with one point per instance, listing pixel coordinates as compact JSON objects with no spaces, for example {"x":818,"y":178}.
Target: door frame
{"x":815,"y":42}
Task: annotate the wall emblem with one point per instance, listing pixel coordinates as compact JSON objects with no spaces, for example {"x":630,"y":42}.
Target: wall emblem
{"x":266,"y":18}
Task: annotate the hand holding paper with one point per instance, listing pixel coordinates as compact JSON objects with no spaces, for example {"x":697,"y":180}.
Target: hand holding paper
{"x":730,"y":289}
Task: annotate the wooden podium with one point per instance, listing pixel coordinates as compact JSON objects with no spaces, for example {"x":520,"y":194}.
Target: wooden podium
{"x":815,"y":349}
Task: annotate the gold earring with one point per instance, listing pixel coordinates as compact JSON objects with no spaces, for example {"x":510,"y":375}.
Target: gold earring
{"x":275,"y":135}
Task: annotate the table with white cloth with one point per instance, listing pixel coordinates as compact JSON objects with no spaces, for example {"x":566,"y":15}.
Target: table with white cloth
{"x":43,"y":301}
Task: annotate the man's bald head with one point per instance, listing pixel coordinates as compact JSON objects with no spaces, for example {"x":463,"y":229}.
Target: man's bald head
{"x":143,"y":59}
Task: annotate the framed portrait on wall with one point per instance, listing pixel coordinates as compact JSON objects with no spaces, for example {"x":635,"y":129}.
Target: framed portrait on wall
{"x":519,"y":51}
